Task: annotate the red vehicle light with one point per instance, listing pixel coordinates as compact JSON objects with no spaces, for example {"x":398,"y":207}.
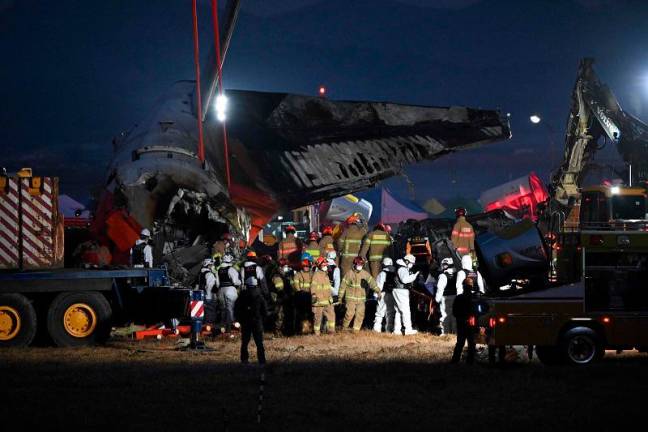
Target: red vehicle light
{"x":491,"y":322}
{"x":472,"y":321}
{"x":501,"y":320}
{"x":606,"y":320}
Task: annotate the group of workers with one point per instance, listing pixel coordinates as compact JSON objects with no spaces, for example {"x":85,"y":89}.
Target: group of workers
{"x":323,"y":284}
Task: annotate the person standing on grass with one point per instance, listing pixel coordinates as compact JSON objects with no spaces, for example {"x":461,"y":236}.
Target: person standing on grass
{"x":251,"y":310}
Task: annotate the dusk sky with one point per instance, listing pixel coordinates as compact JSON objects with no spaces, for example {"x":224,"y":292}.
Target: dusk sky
{"x":76,"y":73}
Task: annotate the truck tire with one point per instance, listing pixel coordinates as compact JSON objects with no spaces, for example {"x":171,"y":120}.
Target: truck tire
{"x":581,"y":346}
{"x":18,"y":321}
{"x":549,"y":355}
{"x":79,"y":319}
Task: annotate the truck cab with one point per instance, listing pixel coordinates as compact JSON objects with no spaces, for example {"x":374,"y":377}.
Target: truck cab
{"x":602,"y":303}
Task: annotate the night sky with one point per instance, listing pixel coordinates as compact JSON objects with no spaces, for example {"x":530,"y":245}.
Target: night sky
{"x":76,"y":73}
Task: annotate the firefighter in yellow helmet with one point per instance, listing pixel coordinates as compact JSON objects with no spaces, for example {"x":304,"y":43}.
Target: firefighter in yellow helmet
{"x":322,"y":298}
{"x":350,"y":242}
{"x":353,"y":294}
{"x":463,"y":234}
{"x":376,"y":246}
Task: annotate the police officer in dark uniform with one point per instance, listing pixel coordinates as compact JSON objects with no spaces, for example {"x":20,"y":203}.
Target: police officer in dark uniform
{"x":251,"y":308}
{"x":463,"y":311}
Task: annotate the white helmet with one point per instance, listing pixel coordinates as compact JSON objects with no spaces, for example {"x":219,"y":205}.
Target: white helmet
{"x":145,"y":233}
{"x":466,"y":262}
{"x":207,"y":262}
{"x":409,"y":258}
{"x":387,"y":262}
{"x":331,"y":255}
{"x":228,"y":259}
{"x":446,"y":263}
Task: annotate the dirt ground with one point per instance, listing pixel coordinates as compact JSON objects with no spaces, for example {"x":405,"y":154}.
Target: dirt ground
{"x":340,"y":382}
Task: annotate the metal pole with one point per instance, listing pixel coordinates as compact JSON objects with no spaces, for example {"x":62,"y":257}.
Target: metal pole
{"x":201,"y":143}
{"x":219,"y":69}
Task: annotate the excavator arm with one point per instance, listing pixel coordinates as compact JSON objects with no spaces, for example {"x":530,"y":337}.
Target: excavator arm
{"x":596,"y":114}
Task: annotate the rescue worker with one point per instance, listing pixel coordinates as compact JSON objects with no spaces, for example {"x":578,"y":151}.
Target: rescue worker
{"x":402,"y":285}
{"x":445,"y":295}
{"x":251,"y":310}
{"x":418,"y":245}
{"x":322,"y":299}
{"x":350,"y":242}
{"x":327,"y":244}
{"x":312,"y":247}
{"x":334,"y":277}
{"x":290,"y":247}
{"x":206,"y":283}
{"x":301,"y":285}
{"x":386,"y":281}
{"x":281,"y":295}
{"x":375,"y":247}
{"x":462,"y":310}
{"x":252,"y":273}
{"x":142,"y":252}
{"x":463,"y":234}
{"x":228,"y":282}
{"x":467,"y":271}
{"x":353,"y":294}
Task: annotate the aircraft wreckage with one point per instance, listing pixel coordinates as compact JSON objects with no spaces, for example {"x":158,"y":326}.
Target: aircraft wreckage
{"x":284,"y":151}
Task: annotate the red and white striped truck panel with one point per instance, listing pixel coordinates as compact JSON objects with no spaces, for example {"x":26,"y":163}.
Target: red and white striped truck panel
{"x":31,"y":228}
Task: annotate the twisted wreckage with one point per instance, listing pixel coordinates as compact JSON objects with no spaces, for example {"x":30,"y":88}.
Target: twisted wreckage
{"x":284,"y":151}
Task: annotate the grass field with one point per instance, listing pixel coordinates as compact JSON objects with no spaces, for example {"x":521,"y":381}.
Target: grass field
{"x":342,"y":382}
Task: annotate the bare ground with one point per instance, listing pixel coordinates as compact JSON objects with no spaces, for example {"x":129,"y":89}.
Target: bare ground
{"x":341,"y":382}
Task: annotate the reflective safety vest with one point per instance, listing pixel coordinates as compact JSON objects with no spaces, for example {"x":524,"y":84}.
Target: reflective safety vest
{"x":287,"y":247}
{"x":138,"y":254}
{"x":470,"y":274}
{"x":302,"y":281}
{"x":202,"y":281}
{"x":313,"y":249}
{"x":320,"y":289}
{"x":224,"y":278}
{"x":418,"y":246}
{"x":250,"y":273}
{"x":398,"y":284}
{"x":463,"y":236}
{"x":281,"y":284}
{"x":351,"y":288}
{"x":376,"y":245}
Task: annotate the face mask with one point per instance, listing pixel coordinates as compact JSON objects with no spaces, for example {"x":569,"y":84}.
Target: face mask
{"x":286,"y":269}
{"x":410,"y":265}
{"x":358,"y":268}
{"x":325,"y":269}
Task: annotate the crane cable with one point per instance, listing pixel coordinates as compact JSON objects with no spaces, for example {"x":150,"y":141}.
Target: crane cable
{"x":201,"y":142}
{"x":219,"y":68}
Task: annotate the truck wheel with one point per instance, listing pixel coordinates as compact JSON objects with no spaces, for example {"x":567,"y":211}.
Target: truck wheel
{"x":548,"y":355}
{"x":581,"y":346}
{"x":17,"y":321}
{"x":79,"y":319}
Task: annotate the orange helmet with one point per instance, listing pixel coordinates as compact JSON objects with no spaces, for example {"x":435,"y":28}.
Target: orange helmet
{"x":313,"y":236}
{"x":305,"y":264}
{"x":291,"y":229}
{"x":321,"y":262}
{"x":353,"y":219}
{"x":327,"y":230}
{"x":251,"y":254}
{"x":358,"y":261}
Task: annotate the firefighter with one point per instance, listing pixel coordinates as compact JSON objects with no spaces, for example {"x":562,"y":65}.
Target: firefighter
{"x":418,"y":245}
{"x":376,"y":246}
{"x":386,"y":281}
{"x":327,"y":244}
{"x":312,"y":247}
{"x":445,"y":295}
{"x":353,"y":294}
{"x":251,"y":310}
{"x":463,"y":234}
{"x":462,"y":309}
{"x":467,"y":272}
{"x":301,"y":285}
{"x":402,"y":286}
{"x":322,"y":299}
{"x":290,"y":247}
{"x":281,"y":295}
{"x":350,"y":242}
{"x":333,"y":273}
{"x":228,"y":282}
{"x":142,"y":252}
